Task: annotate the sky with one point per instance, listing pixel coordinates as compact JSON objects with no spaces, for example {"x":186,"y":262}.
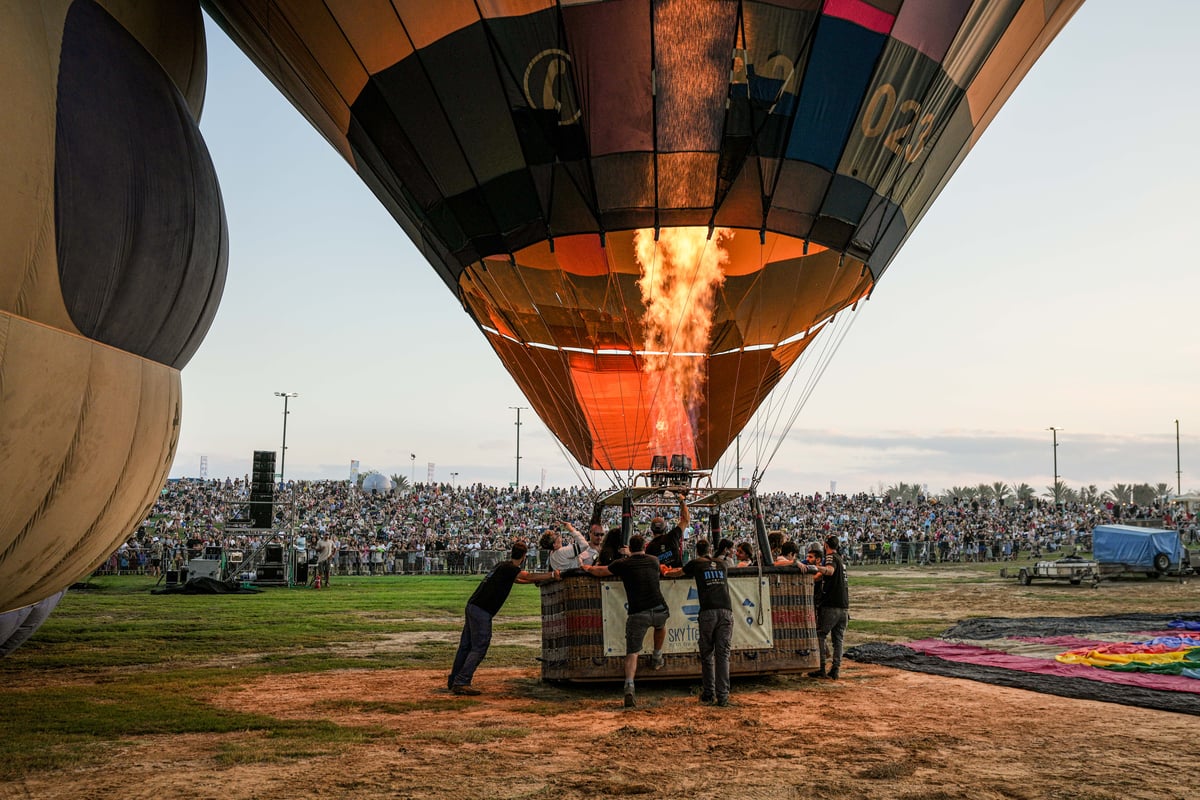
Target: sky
{"x":1052,"y":284}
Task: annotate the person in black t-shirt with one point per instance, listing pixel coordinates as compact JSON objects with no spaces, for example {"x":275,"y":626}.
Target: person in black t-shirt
{"x":484,"y":604}
{"x":716,"y":623}
{"x":640,"y":574}
{"x":834,"y":612}
{"x":667,"y":546}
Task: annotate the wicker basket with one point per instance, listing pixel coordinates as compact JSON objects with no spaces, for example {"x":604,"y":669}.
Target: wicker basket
{"x":573,"y":646}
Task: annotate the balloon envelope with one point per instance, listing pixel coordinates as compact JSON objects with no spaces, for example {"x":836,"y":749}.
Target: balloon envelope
{"x":112,"y":261}
{"x":650,"y":207}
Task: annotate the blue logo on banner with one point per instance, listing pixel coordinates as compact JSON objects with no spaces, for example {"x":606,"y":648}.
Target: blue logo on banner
{"x":691,"y":608}
{"x":748,"y":603}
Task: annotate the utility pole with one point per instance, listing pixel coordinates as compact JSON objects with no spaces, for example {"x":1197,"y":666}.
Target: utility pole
{"x":283,"y":449}
{"x":1054,"y":433}
{"x":519,"y":409}
{"x":1178,"y":470}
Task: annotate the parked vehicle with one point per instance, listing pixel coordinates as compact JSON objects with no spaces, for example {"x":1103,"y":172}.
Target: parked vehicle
{"x":1126,"y":549}
{"x":1072,"y":568}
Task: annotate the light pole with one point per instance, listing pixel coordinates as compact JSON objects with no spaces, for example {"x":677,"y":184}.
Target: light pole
{"x":283,"y":449}
{"x":1178,"y":471}
{"x":453,"y":480}
{"x":1054,"y":433}
{"x":412,"y":475}
{"x":519,"y":409}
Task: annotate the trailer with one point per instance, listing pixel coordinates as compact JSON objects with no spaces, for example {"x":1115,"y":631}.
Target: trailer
{"x":1124,"y":550}
{"x":1073,"y":569}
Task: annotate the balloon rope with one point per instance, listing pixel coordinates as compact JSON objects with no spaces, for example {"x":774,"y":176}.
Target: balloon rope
{"x":832,"y":345}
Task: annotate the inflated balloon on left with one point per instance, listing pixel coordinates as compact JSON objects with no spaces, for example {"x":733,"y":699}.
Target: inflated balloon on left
{"x":113,"y":251}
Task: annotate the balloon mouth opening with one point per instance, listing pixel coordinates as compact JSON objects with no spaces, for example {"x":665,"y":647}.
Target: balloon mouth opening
{"x":648,"y":342}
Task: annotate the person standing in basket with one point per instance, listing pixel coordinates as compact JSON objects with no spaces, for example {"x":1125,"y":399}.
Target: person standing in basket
{"x":667,"y":546}
{"x":484,"y":604}
{"x":640,"y":575}
{"x":716,"y":623}
{"x":834,"y":612}
{"x":565,"y":555}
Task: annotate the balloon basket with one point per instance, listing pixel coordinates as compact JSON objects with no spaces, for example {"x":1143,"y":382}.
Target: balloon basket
{"x":580,"y":645}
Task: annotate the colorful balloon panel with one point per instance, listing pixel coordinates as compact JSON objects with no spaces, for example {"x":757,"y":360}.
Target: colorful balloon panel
{"x":112,"y":263}
{"x":522,"y":143}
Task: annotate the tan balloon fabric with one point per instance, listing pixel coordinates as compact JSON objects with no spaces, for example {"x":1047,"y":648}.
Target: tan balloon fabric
{"x":173,"y":32}
{"x":29,"y":283}
{"x":87,"y":434}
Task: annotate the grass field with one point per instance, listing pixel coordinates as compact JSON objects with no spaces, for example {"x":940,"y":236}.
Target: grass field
{"x":115,"y":661}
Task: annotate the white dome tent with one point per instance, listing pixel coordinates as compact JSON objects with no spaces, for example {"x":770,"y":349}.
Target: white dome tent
{"x":376,"y":483}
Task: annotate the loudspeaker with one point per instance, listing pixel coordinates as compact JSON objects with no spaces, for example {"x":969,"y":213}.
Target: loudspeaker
{"x":301,"y":572}
{"x":270,"y":573}
{"x":274,"y":555}
{"x":263,"y":477}
{"x":262,"y":511}
{"x":262,"y":489}
{"x":264,"y":461}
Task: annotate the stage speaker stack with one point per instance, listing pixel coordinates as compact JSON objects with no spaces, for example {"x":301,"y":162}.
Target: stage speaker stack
{"x":272,"y":569}
{"x":262,"y":489}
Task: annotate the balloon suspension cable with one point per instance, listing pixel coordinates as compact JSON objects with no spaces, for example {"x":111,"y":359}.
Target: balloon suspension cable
{"x":779,"y":431}
{"x":584,"y":475}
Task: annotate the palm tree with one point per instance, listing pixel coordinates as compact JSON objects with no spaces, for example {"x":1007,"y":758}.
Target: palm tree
{"x":984,"y":491}
{"x":1144,"y":495}
{"x":400,"y":483}
{"x":1162,"y":490}
{"x":1120,"y":493}
{"x":904,"y":492}
{"x":1000,"y":491}
{"x":957,"y":494}
{"x":1023,"y":492}
{"x":1089,"y":494}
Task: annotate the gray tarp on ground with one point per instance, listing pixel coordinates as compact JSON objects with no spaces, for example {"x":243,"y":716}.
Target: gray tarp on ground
{"x":900,"y":657}
{"x":206,"y":586}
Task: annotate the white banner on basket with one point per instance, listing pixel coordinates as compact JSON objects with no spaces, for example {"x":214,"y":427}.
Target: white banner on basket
{"x":749,"y":595}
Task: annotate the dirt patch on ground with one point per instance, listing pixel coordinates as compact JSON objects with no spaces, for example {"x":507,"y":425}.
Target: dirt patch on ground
{"x":876,"y":733}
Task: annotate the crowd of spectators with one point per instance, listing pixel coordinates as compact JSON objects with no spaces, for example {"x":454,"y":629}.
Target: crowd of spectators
{"x":439,"y":527}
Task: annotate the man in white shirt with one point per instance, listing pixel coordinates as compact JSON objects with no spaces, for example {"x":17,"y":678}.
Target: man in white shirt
{"x":564,"y":555}
{"x":325,"y":550}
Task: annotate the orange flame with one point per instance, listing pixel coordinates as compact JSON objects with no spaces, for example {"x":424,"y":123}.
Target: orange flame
{"x":680,"y":275}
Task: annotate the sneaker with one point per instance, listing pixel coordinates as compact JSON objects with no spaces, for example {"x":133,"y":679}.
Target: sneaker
{"x":467,"y":690}
{"x":630,"y":702}
{"x":659,"y":661}
{"x":707,"y":699}
{"x":817,"y":673}
{"x":833,"y":674}
{"x":724,"y":702}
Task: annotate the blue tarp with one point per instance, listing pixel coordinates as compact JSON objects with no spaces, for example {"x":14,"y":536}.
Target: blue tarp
{"x":1135,"y":547}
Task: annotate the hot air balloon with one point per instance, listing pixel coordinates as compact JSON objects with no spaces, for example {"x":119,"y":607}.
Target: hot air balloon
{"x":650,"y":208}
{"x":112,"y":260}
